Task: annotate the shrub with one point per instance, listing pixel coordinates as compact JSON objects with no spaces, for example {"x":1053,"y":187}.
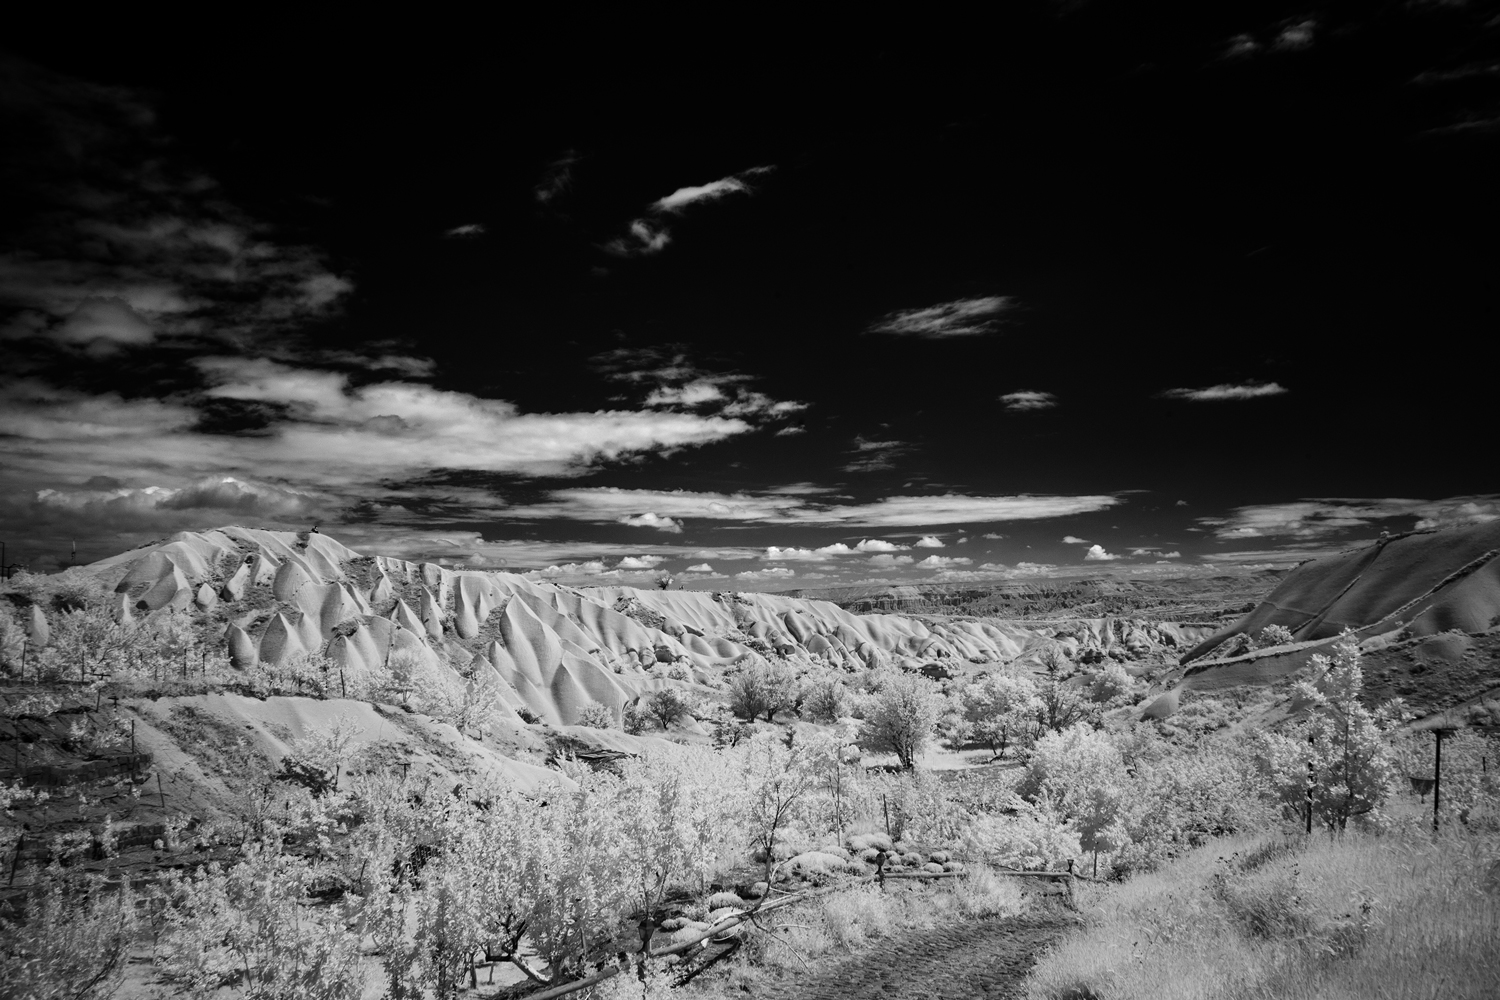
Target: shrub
{"x":596,"y":716}
{"x":635,"y":718}
{"x":825,"y":700}
{"x":1113,"y":685}
{"x":1276,"y":635}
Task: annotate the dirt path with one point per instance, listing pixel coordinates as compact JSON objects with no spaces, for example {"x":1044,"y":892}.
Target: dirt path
{"x":987,"y":959}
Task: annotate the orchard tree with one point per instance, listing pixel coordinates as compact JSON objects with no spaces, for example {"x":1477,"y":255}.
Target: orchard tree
{"x":762,"y":689}
{"x":901,"y":717}
{"x":1001,"y":711}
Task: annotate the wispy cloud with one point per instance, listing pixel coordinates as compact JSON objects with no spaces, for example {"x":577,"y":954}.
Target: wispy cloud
{"x":1074,"y":540}
{"x":642,"y":239}
{"x":468,"y":230}
{"x":680,"y":199}
{"x":1226,"y":391}
{"x":649,"y":236}
{"x":127,"y":247}
{"x":886,"y":559}
{"x":959,"y":318}
{"x":1319,"y":518}
{"x":874,"y":455}
{"x":557,"y":179}
{"x":1024,"y":400}
{"x":605,"y":504}
{"x":1297,"y":35}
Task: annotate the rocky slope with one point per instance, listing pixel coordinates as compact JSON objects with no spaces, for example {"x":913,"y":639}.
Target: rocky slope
{"x":554,"y":648}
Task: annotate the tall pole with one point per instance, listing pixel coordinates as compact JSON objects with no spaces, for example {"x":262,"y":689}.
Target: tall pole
{"x":1309,"y":787}
{"x":1437,"y":778}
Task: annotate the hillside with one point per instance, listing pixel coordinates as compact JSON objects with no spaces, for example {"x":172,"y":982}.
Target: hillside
{"x":279,"y":596}
{"x":1425,"y":607}
{"x":1195,"y":599}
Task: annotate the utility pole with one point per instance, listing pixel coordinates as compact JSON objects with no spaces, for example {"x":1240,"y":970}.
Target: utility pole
{"x":1437,"y":778}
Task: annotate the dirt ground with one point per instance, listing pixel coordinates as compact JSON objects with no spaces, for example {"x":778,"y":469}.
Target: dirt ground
{"x":990,"y":958}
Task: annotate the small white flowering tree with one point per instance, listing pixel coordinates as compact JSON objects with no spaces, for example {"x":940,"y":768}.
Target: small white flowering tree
{"x":1340,"y":758}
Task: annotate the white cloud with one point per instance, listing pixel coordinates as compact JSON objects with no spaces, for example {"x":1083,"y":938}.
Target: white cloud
{"x":878,"y":545}
{"x":930,"y":542}
{"x":1028,"y":400}
{"x":959,"y":318}
{"x":699,"y":568}
{"x":1074,"y":540}
{"x":943,"y":562}
{"x":1096,"y":553}
{"x":963,"y":540}
{"x":790,"y":431}
{"x":1219,"y":393}
{"x":768,"y":573}
{"x":886,"y":559}
{"x":712,"y":191}
{"x":695,"y":393}
{"x":994,"y":535}
{"x":1171,"y":555}
{"x":639,"y":562}
{"x":651,"y":520}
{"x":466,"y":231}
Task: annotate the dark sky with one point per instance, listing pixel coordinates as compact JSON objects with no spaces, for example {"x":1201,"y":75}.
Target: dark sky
{"x":1087,"y":290}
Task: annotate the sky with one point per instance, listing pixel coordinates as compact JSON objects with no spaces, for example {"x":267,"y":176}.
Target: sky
{"x":1082,"y":291}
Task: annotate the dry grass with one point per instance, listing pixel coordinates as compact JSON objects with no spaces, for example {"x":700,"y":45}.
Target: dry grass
{"x":795,"y":941}
{"x":1396,"y":916}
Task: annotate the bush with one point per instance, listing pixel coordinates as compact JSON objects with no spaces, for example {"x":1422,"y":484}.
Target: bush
{"x":825,"y":700}
{"x":596,"y":716}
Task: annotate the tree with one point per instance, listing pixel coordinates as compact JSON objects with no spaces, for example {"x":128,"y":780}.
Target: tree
{"x":762,"y":689}
{"x":1340,"y":758}
{"x":329,"y":747}
{"x":1001,"y":710}
{"x":1063,"y":706}
{"x":665,"y":705}
{"x":901,"y":718}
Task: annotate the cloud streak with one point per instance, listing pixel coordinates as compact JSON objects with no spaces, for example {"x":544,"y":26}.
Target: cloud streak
{"x":959,"y":318}
{"x":1227,"y":392}
{"x":1028,"y":400}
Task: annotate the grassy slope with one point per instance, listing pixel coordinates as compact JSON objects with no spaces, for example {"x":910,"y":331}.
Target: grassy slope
{"x":1400,"y":915}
